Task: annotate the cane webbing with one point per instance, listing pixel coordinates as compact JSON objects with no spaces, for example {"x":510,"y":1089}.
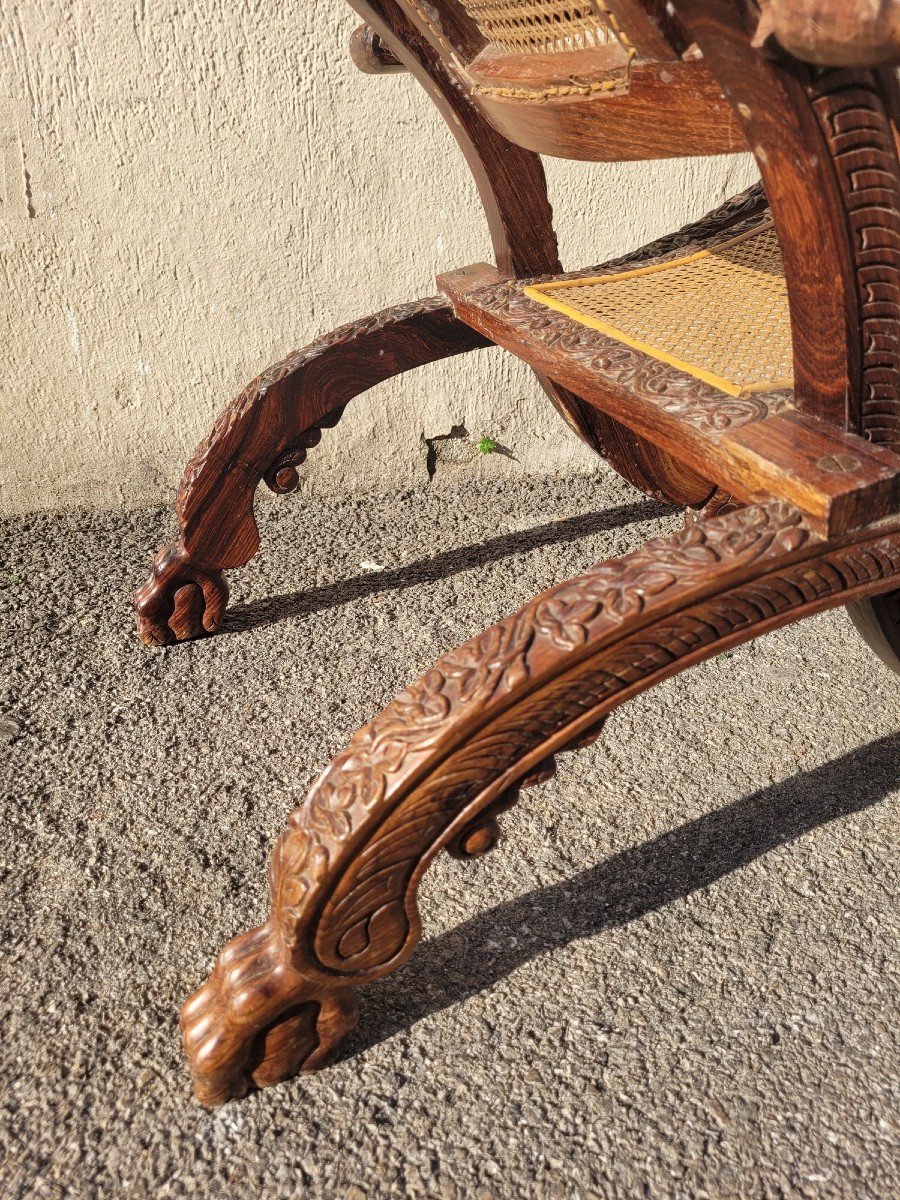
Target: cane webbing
{"x":544,"y":26}
{"x":720,"y":314}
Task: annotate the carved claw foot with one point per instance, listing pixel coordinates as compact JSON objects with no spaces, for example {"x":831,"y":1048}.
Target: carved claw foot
{"x":257,"y":1021}
{"x":448,"y":754}
{"x":265,"y":434}
{"x":180,"y":600}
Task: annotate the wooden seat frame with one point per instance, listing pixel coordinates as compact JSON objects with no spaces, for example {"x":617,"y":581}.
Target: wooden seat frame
{"x":798,"y":494}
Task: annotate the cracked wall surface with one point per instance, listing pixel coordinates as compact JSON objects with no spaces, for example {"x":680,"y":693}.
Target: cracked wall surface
{"x":187,"y":193}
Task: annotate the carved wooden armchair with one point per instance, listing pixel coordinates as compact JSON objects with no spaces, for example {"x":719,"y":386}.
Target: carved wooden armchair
{"x":746,"y":366}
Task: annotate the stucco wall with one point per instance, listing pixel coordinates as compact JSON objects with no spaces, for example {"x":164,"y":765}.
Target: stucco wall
{"x":188,"y":192}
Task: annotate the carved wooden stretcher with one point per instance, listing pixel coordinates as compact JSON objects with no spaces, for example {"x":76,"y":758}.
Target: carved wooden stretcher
{"x":775,"y":417}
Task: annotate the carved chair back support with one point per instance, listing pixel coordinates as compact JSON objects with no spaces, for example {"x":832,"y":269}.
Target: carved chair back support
{"x":824,"y":141}
{"x":798,"y":479}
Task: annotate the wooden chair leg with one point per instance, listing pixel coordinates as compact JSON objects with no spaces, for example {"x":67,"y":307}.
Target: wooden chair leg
{"x":265,"y":433}
{"x":878,"y":621}
{"x":437,"y":765}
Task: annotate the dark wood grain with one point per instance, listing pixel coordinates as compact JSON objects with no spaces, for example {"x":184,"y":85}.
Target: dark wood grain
{"x":745,"y":444}
{"x":800,"y":488}
{"x":598,"y":104}
{"x":838,"y":480}
{"x":513,"y":192}
{"x":435,"y":766}
{"x":511,"y":183}
{"x":806,"y":203}
{"x":856,"y":112}
{"x":510,"y":180}
{"x":265,"y":433}
{"x":826,"y":144}
{"x":653,"y":110}
{"x":270,"y":429}
{"x":447,"y":26}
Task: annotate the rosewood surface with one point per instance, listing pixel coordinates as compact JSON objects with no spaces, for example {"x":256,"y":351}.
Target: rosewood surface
{"x":451,"y":751}
{"x":654,"y":110}
{"x":513,"y":191}
{"x":755,"y":445}
{"x":798,"y":489}
{"x":266,"y":433}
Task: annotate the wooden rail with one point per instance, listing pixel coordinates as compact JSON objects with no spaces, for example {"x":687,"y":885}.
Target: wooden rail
{"x":756,"y":446}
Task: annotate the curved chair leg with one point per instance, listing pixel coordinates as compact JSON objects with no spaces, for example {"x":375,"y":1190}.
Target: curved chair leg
{"x":437,"y":765}
{"x":878,"y":622}
{"x":264,"y":434}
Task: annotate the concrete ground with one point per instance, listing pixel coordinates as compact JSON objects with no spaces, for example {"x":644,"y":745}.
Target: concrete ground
{"x":676,"y":977}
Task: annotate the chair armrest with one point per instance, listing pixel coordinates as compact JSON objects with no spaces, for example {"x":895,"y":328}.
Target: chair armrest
{"x":835,"y":33}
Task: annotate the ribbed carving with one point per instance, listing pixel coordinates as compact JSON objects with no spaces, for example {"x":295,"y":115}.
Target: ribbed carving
{"x":851,"y":111}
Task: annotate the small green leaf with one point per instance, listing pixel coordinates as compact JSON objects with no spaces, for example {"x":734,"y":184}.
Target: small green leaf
{"x":487,"y":445}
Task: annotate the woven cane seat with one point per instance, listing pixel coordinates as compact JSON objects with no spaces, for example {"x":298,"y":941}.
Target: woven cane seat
{"x":720,"y":314}
{"x":544,"y":26}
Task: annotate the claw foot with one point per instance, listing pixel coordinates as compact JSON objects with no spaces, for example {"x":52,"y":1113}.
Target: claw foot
{"x":180,"y":600}
{"x":257,"y":1021}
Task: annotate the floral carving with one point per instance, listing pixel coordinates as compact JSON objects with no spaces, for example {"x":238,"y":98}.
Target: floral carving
{"x":505,"y":657}
{"x":437,"y":764}
{"x":694,"y":402}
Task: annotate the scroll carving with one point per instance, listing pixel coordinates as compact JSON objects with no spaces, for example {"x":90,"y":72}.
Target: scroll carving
{"x":245,"y":406}
{"x":265,"y":433}
{"x":450,"y":751}
{"x":857,"y":113}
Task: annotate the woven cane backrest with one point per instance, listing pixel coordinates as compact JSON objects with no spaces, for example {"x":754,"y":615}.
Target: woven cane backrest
{"x":544,"y":26}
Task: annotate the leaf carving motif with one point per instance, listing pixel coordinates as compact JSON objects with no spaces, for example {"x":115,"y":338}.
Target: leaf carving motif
{"x":701,"y":405}
{"x":501,"y":659}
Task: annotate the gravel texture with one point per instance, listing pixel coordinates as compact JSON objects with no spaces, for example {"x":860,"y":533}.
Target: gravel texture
{"x":676,"y":976}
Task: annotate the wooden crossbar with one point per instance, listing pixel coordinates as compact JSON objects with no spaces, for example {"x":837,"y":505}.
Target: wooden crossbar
{"x":754,"y":446}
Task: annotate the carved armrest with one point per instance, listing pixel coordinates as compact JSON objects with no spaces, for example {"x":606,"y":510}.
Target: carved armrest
{"x":834,"y":33}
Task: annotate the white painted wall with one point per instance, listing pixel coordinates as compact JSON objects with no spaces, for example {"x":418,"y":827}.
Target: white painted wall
{"x":189,"y":192}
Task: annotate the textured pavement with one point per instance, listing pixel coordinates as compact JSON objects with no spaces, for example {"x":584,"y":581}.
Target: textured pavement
{"x":677,"y":976}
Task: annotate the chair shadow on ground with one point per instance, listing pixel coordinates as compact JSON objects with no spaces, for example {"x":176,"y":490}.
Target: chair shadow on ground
{"x":475,"y":955}
{"x":270,"y":609}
